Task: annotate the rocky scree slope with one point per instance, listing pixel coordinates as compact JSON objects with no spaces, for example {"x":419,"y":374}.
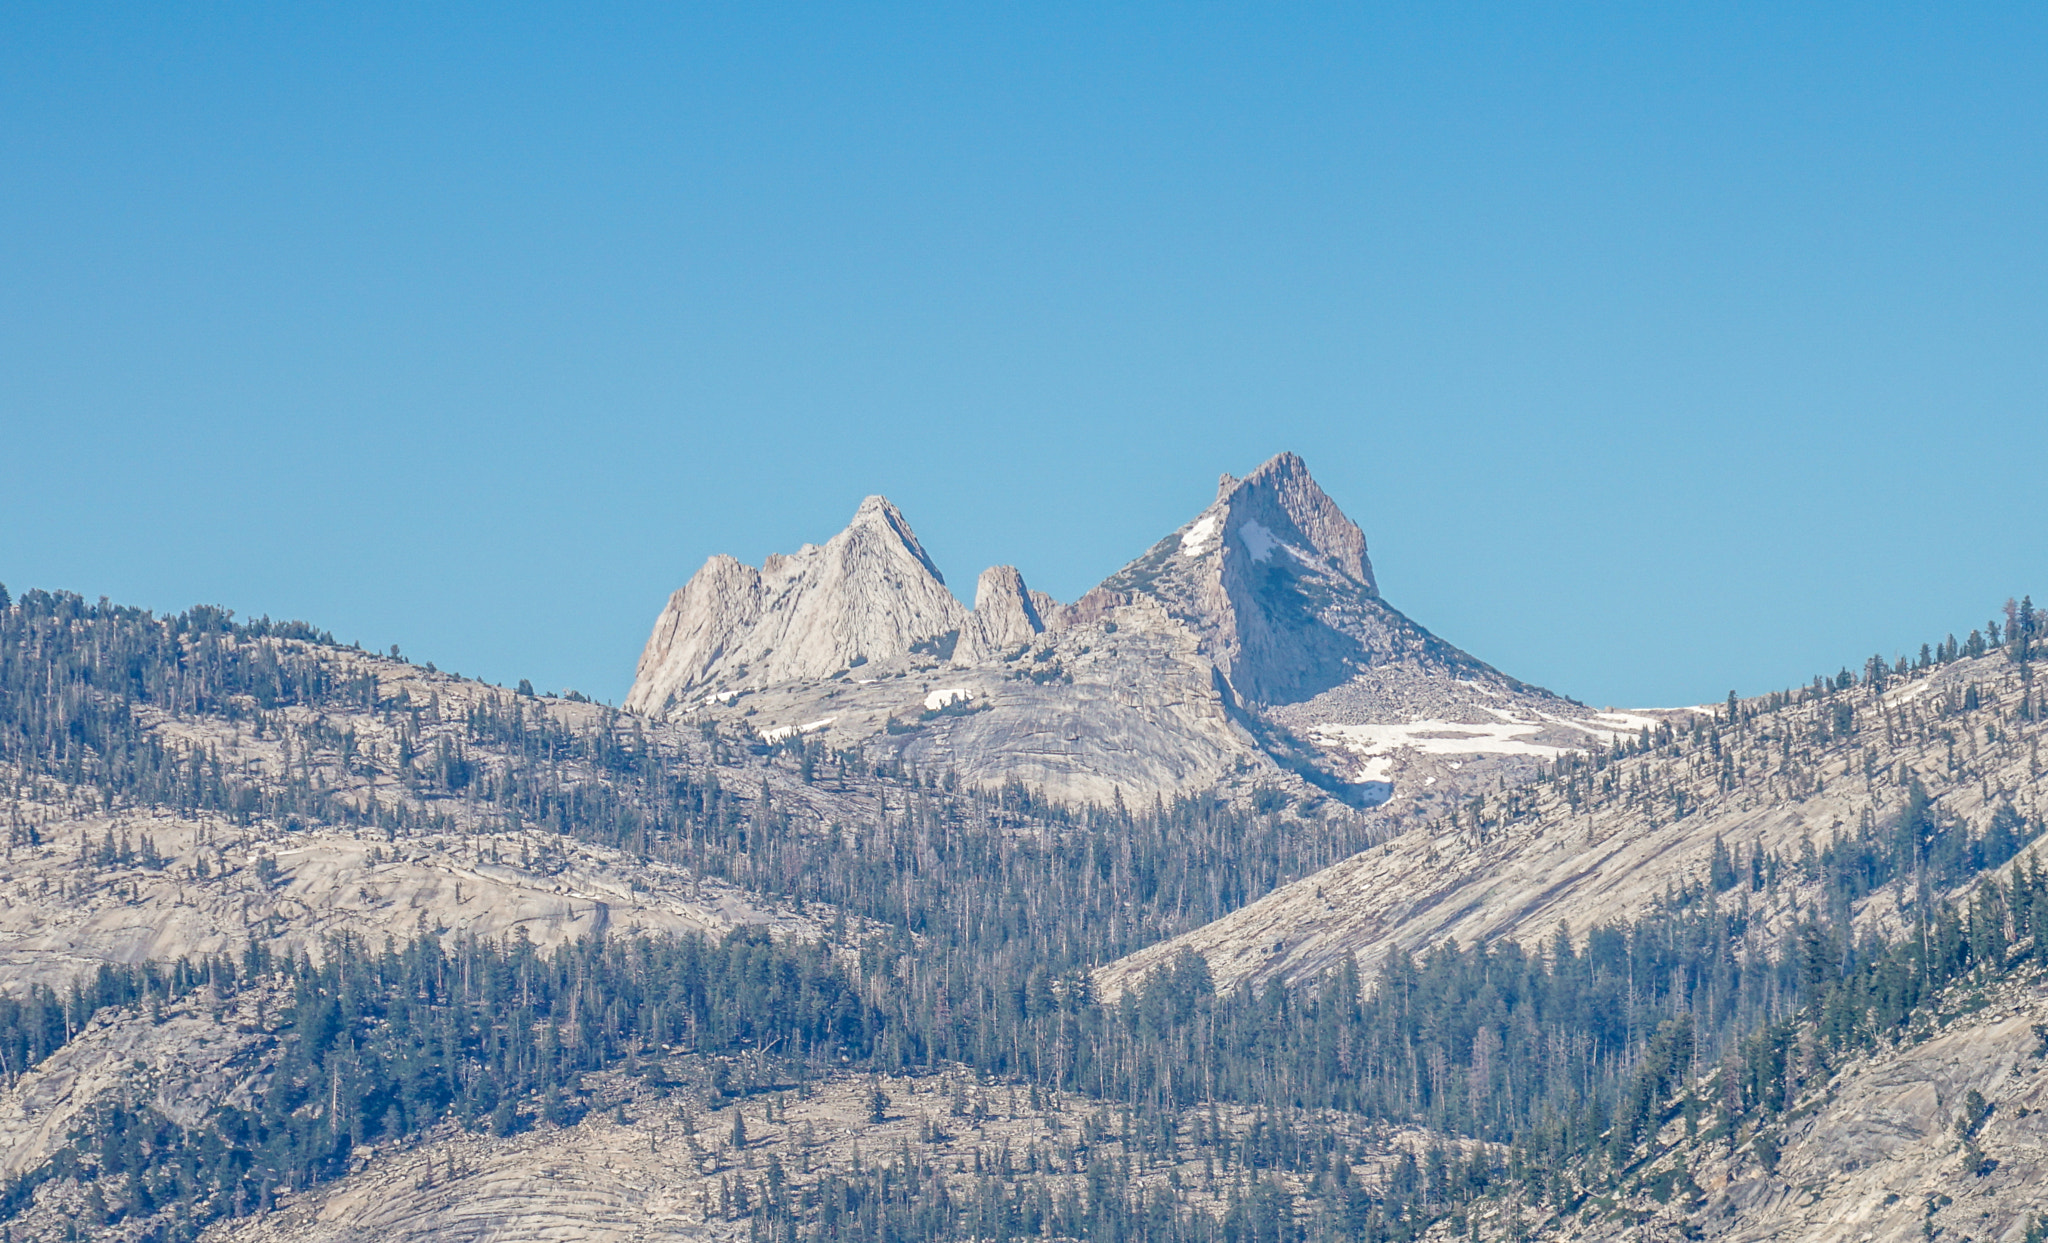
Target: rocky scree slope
{"x":1249,"y":647}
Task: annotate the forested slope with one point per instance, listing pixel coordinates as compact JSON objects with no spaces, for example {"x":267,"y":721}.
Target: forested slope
{"x":1857,"y":795}
{"x":469,"y":963}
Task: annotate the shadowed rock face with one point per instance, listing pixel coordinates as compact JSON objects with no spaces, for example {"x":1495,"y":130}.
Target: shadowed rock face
{"x":1275,"y":581}
{"x":1163,"y":678}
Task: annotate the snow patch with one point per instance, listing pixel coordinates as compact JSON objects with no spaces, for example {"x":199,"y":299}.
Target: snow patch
{"x":781,"y":732}
{"x":1257,"y":539}
{"x":1195,"y":541}
{"x":1509,"y":734}
{"x":948,"y":695}
{"x":720,"y":697}
{"x":1611,"y":727}
{"x":1920,"y":686}
{"x":1433,"y":737}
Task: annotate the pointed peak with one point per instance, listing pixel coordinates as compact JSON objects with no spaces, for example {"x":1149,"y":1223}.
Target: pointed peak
{"x":878,"y":514}
{"x":999,"y":582}
{"x":878,"y":511}
{"x":1282,"y":468}
{"x":1282,"y":475}
{"x":1283,"y":489}
{"x":1004,"y":608}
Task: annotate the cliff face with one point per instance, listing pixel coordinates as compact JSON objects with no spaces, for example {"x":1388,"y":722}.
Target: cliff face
{"x":1223,"y":653}
{"x":1005,"y":616}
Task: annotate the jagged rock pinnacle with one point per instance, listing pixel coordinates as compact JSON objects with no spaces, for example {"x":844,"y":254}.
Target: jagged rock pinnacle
{"x":870,"y":592}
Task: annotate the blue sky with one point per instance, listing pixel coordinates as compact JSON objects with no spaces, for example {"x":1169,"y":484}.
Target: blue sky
{"x":1658,"y":349}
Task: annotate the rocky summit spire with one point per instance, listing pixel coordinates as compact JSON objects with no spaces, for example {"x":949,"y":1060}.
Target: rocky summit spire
{"x":869,"y":593}
{"x":1275,"y":581}
{"x":1280,"y":506}
{"x":886,"y":522}
{"x":1005,"y":615}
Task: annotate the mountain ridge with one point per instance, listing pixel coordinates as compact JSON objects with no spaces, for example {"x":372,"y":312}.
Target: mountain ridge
{"x":1225,"y":654}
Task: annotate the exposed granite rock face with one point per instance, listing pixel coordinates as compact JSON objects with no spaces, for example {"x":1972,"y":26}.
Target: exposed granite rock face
{"x":1005,"y":616}
{"x":1275,"y":581}
{"x":223,"y":885}
{"x":1225,"y":653}
{"x":869,"y":593}
{"x":1125,"y":705}
{"x":182,"y":1067}
{"x":667,"y":1171}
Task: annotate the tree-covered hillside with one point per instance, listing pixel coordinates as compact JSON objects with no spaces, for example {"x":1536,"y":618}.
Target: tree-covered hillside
{"x":1483,"y":1088}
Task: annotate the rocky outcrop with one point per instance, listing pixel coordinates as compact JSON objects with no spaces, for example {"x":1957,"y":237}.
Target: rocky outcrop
{"x":223,"y":885}
{"x":1276,"y":584}
{"x":1879,"y":1150}
{"x":655,"y":1169}
{"x":1275,"y":581}
{"x":1005,"y":617}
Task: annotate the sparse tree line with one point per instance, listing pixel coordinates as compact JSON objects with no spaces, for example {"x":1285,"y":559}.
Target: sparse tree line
{"x":1674,"y":769}
{"x":1568,"y":1061}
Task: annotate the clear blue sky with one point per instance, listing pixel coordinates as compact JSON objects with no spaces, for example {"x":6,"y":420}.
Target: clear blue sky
{"x":1659,"y":349}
